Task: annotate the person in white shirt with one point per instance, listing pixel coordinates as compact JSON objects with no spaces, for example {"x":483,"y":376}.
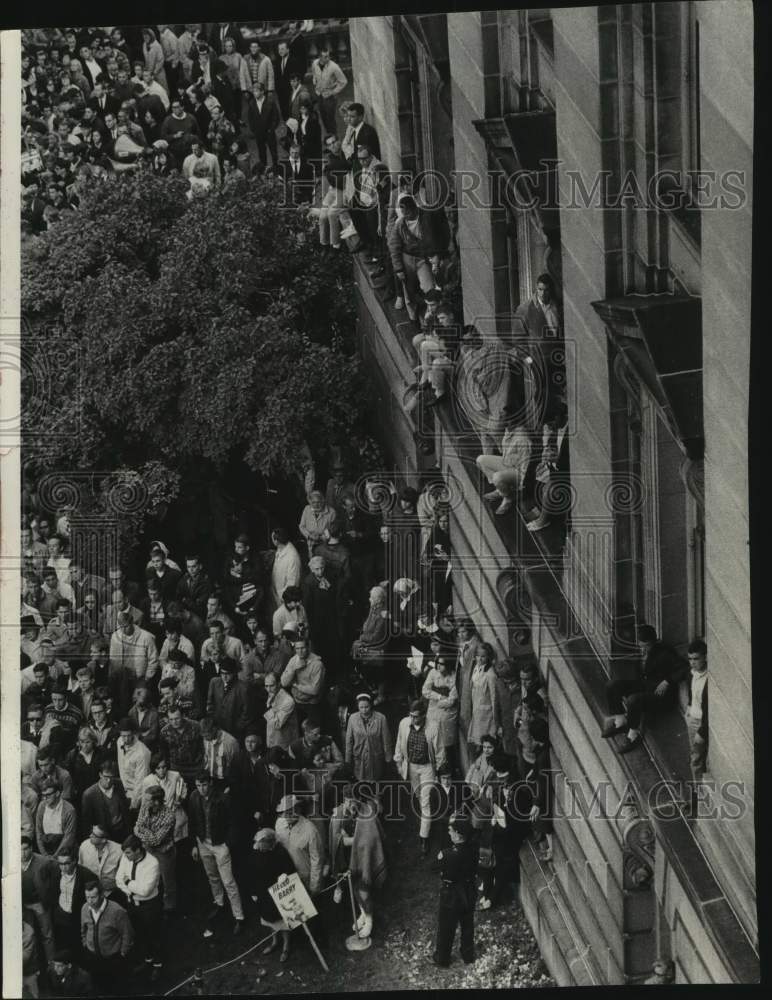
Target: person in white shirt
{"x":138,"y":877}
{"x":219,"y":642}
{"x":697,"y":710}
{"x":329,"y":80}
{"x":290,"y":611}
{"x":133,"y":648}
{"x":199,"y":157}
{"x":287,"y":566}
{"x":133,"y":761}
{"x":58,"y":560}
{"x":101,"y":856}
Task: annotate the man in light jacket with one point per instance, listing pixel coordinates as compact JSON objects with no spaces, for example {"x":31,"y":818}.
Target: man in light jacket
{"x":418,"y":754}
{"x":133,"y":648}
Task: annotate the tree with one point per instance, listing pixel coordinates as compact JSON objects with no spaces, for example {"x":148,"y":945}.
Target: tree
{"x":191,"y":331}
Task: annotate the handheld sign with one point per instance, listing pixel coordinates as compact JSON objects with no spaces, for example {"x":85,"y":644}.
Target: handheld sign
{"x":295,"y":906}
{"x":292,"y":900}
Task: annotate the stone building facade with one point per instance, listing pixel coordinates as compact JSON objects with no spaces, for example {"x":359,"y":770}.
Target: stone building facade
{"x":610,"y":148}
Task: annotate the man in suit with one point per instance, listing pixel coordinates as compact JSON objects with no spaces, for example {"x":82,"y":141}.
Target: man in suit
{"x":298,"y":178}
{"x":297,"y":93}
{"x":222,"y":30}
{"x":91,"y":67}
{"x":263,"y":117}
{"x":69,"y":899}
{"x":286,"y":66}
{"x":359,"y":132}
{"x":654,"y":689}
{"x":102,"y":102}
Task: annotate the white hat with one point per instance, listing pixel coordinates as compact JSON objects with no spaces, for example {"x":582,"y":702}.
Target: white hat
{"x":287,"y":804}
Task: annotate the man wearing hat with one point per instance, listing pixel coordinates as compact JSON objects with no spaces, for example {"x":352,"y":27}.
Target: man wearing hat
{"x":210,"y":820}
{"x":458,"y":871}
{"x":302,"y":841}
{"x":228,"y":700}
{"x":67,"y":979}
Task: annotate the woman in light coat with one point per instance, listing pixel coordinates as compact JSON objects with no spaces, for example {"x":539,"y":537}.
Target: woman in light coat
{"x":441,"y":694}
{"x":486,"y":715}
{"x":154,"y":57}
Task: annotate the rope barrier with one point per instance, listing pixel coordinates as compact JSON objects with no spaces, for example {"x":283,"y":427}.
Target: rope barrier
{"x":222,"y":965}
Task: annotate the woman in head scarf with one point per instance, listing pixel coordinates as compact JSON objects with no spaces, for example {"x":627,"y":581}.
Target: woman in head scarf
{"x":369,"y":649}
{"x":269,"y":861}
{"x":356,"y":844}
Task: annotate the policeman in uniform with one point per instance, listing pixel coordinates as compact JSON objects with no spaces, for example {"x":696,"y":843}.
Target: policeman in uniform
{"x":458,"y":868}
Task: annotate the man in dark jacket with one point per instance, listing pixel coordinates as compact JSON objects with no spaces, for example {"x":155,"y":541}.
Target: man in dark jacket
{"x":262,"y":118}
{"x":653,"y":690}
{"x":69,"y":899}
{"x":416,"y":241}
{"x":104,"y":804}
{"x":228,"y":700}
{"x":67,"y":979}
{"x":209,"y":818}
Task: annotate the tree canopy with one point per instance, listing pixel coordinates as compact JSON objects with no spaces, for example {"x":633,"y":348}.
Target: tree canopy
{"x":189,"y":331}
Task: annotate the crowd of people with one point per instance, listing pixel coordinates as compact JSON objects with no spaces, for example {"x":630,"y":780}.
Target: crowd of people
{"x":255,"y":715}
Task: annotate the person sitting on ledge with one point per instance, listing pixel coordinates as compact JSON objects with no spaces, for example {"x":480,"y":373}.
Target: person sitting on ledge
{"x":506,"y":472}
{"x":652,"y":691}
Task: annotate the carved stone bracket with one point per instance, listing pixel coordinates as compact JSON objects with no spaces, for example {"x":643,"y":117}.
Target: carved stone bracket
{"x":663,"y":973}
{"x":638,"y":843}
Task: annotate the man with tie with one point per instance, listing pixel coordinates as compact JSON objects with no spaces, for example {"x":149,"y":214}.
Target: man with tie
{"x":263,"y":117}
{"x":286,"y":65}
{"x":102,"y":102}
{"x":298,"y":178}
{"x":138,"y":877}
{"x":359,"y":133}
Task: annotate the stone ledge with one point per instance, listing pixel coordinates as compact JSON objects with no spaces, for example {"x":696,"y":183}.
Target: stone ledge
{"x":539,"y":560}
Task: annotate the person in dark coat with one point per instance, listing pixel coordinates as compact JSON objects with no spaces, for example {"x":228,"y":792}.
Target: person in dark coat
{"x":229,"y":700}
{"x":105,"y":804}
{"x":269,"y":862}
{"x":323,"y":600}
{"x":248,"y":780}
{"x":262,"y":118}
{"x":457,"y":894}
{"x":67,"y":979}
{"x":654,"y":690}
{"x":69,"y":899}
